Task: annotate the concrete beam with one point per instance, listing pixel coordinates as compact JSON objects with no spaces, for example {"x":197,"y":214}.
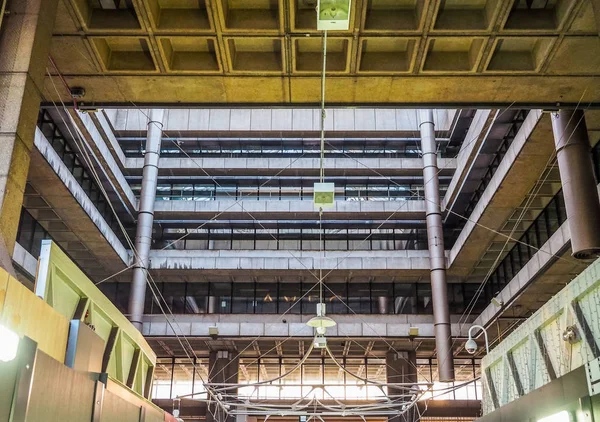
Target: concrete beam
{"x":366,"y":167}
{"x":262,"y":261}
{"x":289,"y":210}
{"x":352,"y":90}
{"x":518,"y":172}
{"x":474,"y":139}
{"x":520,"y":289}
{"x":104,"y":158}
{"x":266,"y":326}
{"x":261,"y":121}
{"x":51,"y":178}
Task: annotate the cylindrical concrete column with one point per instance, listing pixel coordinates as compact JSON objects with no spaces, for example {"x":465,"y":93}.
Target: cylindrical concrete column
{"x":401,"y":369}
{"x":143,"y":236}
{"x":223,"y":368}
{"x":578,"y":181}
{"x":435,"y":239}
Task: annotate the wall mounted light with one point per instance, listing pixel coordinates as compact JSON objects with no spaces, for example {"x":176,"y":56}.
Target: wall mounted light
{"x":9,"y":344}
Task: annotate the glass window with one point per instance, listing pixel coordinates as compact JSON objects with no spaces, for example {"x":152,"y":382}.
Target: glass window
{"x":39,"y":234}
{"x":359,"y":298}
{"x":290,"y":384}
{"x":219,"y":300}
{"x":26,"y":229}
{"x":197,"y":298}
{"x":335,"y":297}
{"x":405,"y":298}
{"x":552,"y":215}
{"x":150,"y":304}
{"x":456,"y":299}
{"x":382,"y":294}
{"x":243,"y":298}
{"x":312,"y":374}
{"x":289,"y":296}
{"x":470,"y":290}
{"x":123,"y":296}
{"x":183,"y":377}
{"x":424,"y":301}
{"x":174,"y":294}
{"x":266,"y":298}
{"x":310,"y":292}
{"x":163,"y":371}
{"x":540,"y":223}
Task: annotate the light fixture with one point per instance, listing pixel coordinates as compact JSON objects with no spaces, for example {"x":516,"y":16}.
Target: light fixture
{"x":9,"y":344}
{"x":324,"y":195}
{"x":563,"y":416}
{"x":320,"y":342}
{"x":321,"y":322}
{"x":333,"y":15}
{"x":571,"y":334}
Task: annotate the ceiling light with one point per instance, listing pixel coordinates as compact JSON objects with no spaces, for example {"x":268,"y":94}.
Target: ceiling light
{"x":321,"y":322}
{"x":333,"y":15}
{"x":324,"y":195}
{"x":9,"y":344}
{"x":563,"y":416}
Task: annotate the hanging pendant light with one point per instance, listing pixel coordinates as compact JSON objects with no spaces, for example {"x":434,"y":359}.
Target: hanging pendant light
{"x":321,"y":322}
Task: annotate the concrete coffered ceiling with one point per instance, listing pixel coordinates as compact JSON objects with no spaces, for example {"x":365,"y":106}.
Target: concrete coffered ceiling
{"x":268,"y":51}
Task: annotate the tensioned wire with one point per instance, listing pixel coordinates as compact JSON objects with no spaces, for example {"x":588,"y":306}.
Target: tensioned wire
{"x":402,"y":204}
{"x":339,"y":262}
{"x":384,"y":176}
{"x":152,"y":284}
{"x":471,"y":305}
{"x":216,"y":216}
{"x":350,"y":157}
{"x":323,"y":116}
{"x":321,"y":161}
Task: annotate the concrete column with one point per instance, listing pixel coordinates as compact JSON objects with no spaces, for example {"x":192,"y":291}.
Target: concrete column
{"x":222,"y":368}
{"x":401,"y":368}
{"x":143,"y":236}
{"x":578,"y":182}
{"x":25,"y":38}
{"x":437,"y":257}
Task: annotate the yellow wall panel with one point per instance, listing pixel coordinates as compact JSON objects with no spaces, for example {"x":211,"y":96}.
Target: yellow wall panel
{"x":3,"y":286}
{"x":28,"y":315}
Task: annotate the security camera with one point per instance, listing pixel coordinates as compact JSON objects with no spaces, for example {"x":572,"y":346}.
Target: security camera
{"x":471,"y":346}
